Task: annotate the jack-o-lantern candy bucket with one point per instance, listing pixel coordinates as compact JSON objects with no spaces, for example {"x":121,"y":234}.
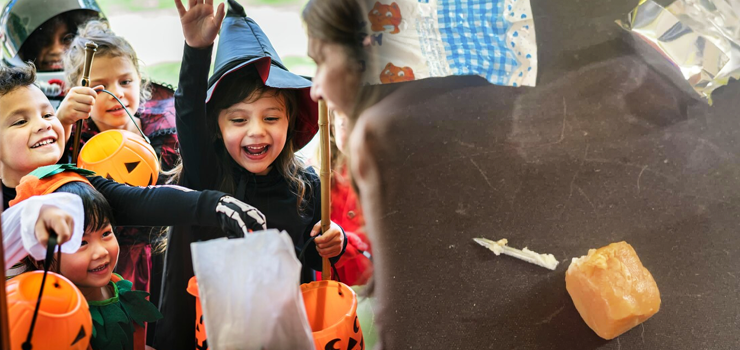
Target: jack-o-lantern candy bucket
{"x":331,"y":307}
{"x":121,"y":156}
{"x":201,"y":341}
{"x":63,"y":321}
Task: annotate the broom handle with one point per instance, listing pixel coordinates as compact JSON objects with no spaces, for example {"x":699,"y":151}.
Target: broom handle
{"x":4,"y":326}
{"x":90,"y":48}
{"x":325,"y":176}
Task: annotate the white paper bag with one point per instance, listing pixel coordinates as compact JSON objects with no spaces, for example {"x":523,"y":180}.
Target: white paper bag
{"x":250,"y":292}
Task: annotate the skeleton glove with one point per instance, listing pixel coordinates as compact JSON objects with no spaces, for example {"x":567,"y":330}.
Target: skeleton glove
{"x":237,"y":218}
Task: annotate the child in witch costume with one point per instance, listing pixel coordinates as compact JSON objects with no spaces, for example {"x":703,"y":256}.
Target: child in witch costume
{"x":118,"y":313}
{"x":245,"y":123}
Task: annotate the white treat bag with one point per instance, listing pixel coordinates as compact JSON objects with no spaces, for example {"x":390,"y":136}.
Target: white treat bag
{"x":249,"y":290}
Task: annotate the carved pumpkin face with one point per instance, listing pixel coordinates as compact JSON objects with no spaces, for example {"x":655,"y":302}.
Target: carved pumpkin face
{"x":63,"y":322}
{"x":121,"y":156}
{"x":338,"y":328}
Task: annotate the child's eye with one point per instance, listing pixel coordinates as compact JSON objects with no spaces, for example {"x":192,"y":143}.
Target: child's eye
{"x":48,"y":115}
{"x":126,"y":82}
{"x":238,"y":120}
{"x":83,"y":243}
{"x":19,"y":122}
{"x":107,"y":234}
{"x":272,"y":119}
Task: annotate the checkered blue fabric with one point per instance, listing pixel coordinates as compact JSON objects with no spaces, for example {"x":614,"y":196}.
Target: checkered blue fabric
{"x":474,"y":35}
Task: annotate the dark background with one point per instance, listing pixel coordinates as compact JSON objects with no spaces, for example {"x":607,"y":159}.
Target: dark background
{"x":604,"y":149}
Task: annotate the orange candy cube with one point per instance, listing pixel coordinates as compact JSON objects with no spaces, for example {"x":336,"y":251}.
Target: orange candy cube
{"x":611,"y":289}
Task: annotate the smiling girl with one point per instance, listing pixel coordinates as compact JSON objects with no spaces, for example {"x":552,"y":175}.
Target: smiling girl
{"x":239,"y":132}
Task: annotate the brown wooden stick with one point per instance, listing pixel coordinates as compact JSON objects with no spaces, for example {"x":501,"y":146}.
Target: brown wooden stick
{"x":90,"y":48}
{"x":325,"y":176}
{"x":4,"y":326}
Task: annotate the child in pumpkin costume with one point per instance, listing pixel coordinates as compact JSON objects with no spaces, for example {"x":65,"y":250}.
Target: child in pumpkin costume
{"x":118,"y":312}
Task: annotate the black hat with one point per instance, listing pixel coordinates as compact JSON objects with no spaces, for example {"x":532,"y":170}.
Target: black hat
{"x":241,"y":43}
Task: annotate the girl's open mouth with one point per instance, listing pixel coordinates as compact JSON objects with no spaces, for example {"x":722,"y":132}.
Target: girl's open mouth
{"x":117,"y":111}
{"x":100,"y":269}
{"x":256,"y":151}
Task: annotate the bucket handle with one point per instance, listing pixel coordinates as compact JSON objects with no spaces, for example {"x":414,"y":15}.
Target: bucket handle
{"x":302,"y":258}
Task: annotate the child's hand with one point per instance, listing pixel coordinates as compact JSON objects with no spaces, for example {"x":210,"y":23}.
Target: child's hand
{"x":199,"y":25}
{"x":76,"y":105}
{"x":330,"y":243}
{"x":54,"y":219}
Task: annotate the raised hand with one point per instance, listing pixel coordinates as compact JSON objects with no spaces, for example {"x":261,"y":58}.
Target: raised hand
{"x":199,"y":23}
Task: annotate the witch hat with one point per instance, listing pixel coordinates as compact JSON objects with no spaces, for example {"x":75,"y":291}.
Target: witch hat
{"x":241,"y":43}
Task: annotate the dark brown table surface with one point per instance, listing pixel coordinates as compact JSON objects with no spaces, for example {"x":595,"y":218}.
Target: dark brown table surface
{"x":604,"y":149}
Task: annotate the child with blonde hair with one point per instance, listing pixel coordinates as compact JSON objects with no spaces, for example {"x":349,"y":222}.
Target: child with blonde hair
{"x":116,"y":68}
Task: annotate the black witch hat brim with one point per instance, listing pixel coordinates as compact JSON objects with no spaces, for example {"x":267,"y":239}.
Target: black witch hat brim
{"x":243,"y":43}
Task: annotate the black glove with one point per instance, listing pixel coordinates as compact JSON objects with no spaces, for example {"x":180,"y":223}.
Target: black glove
{"x":236,"y":217}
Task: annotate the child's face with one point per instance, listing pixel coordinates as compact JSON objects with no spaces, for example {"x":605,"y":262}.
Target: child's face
{"x":50,"y":56}
{"x":336,"y":80}
{"x":339,"y":125}
{"x":30,"y":134}
{"x":119,"y":76}
{"x":254,"y":133}
{"x":91,"y":266}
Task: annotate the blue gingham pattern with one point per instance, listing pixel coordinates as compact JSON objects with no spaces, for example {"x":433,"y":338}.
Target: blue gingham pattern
{"x":474,"y":35}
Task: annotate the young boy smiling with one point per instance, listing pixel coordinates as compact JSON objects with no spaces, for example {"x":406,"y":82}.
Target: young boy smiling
{"x":29,"y":129}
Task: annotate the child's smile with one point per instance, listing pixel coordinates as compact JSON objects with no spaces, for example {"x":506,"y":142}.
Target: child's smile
{"x":256,"y":152}
{"x":46,"y":141}
{"x":90,"y":268}
{"x":119,"y":75}
{"x":29,"y":133}
{"x":255,"y":132}
{"x":101,"y":269}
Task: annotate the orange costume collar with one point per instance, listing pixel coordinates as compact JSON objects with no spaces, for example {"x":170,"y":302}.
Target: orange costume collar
{"x":48,"y":179}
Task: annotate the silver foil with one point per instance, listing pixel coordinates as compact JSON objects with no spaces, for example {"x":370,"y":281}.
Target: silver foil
{"x":699,"y":38}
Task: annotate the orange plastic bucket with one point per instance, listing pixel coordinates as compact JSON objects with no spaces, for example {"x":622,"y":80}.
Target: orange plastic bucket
{"x":201,"y":340}
{"x":63,"y":321}
{"x":331,"y":307}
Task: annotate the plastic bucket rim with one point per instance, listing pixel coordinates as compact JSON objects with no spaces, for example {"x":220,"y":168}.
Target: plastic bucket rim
{"x":318,"y":284}
{"x":31,"y":304}
{"x":120,"y":146}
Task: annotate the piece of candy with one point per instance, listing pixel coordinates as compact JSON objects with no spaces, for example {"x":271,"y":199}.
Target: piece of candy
{"x":611,"y":289}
